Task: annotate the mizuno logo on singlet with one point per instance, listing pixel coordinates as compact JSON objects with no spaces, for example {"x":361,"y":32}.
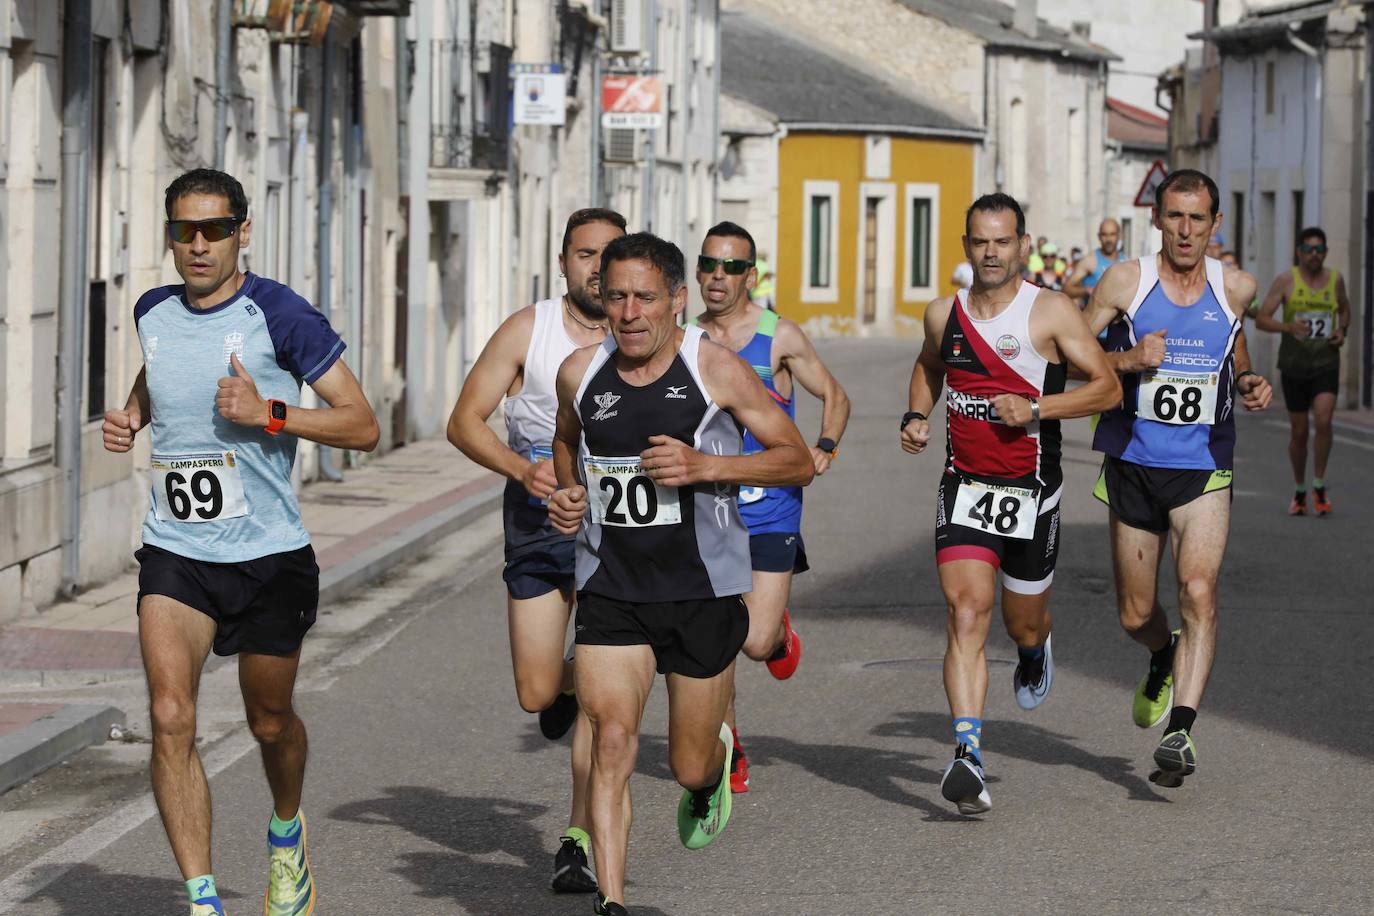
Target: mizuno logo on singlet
{"x":604,"y":403}
{"x":1209,"y":316}
{"x":675,"y":391}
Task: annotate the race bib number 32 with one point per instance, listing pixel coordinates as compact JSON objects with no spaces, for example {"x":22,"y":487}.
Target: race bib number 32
{"x":1319,"y":324}
{"x":197,"y":488}
{"x":1009,"y":512}
{"x":1178,"y":398}
{"x":623,"y":496}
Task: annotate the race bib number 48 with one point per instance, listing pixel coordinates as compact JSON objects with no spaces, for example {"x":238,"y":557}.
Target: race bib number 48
{"x":623,"y":496}
{"x":197,"y":488}
{"x":1006,"y":511}
{"x":1319,"y":324}
{"x":1178,"y":398}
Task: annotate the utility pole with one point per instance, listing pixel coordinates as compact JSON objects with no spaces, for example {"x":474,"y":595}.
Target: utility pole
{"x":651,"y":136}
{"x":1367,"y":320}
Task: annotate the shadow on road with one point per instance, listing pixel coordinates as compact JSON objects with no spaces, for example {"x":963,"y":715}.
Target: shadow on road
{"x":1026,"y":742}
{"x":496,"y":863}
{"x":118,"y":894}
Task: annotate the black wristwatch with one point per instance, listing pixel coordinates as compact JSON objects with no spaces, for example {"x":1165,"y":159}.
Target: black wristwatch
{"x":1243,"y":375}
{"x":827,"y":445}
{"x":909,"y":416}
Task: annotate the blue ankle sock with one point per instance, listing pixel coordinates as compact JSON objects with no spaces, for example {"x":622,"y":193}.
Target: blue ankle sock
{"x":969,"y":731}
{"x":203,"y":890}
{"x":284,"y":830}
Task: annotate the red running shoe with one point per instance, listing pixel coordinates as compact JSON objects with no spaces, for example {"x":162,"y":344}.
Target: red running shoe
{"x":783,"y":663}
{"x":739,"y":769}
{"x":1323,"y":502}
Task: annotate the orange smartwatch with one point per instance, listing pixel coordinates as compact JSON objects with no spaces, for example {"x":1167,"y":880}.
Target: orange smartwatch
{"x":276,"y":417}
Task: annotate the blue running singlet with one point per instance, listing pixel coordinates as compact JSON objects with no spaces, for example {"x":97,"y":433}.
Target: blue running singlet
{"x":1100,"y":264}
{"x":1182,"y":414}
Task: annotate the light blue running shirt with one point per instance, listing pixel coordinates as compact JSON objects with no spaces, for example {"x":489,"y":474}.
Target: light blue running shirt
{"x":221,"y":492}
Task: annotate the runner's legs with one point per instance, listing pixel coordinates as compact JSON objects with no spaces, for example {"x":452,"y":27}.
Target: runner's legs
{"x":613,"y":684}
{"x":766,"y":603}
{"x":1323,"y":408}
{"x":1297,"y":445}
{"x":1135,"y":560}
{"x":538,"y":640}
{"x":970,"y":587}
{"x":267,"y":682}
{"x":696,"y":708}
{"x":175,"y":640}
{"x":1199,"y":529}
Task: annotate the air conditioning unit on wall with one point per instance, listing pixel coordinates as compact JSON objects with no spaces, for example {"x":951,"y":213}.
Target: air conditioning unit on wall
{"x":627,"y":26}
{"x":623,"y":144}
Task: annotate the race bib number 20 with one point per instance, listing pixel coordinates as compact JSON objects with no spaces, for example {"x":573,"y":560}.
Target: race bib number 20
{"x":197,"y":488}
{"x":623,"y":496}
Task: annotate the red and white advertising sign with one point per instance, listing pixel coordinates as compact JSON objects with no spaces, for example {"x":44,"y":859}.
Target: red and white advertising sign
{"x":632,"y":101}
{"x":1145,"y":197}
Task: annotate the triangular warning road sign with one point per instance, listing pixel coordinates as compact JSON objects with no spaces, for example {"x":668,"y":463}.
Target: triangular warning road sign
{"x":1145,"y":197}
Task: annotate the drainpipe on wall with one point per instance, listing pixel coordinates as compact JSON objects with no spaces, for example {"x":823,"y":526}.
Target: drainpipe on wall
{"x":649,"y":195}
{"x":224,"y":36}
{"x":323,"y":234}
{"x":1367,"y":322}
{"x":76,"y":130}
{"x":594,"y":191}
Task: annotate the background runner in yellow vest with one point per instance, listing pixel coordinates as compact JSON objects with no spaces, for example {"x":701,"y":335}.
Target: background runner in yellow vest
{"x":1316,"y":316}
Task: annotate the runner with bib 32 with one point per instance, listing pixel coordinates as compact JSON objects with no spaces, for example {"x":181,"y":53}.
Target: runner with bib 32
{"x":1004,"y":347}
{"x":1180,"y":348}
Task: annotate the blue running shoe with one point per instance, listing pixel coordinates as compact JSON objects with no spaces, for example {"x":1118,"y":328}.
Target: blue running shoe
{"x":1030,"y":690}
{"x":290,"y":887}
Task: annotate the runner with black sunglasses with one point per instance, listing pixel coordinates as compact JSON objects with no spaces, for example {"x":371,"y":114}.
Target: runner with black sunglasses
{"x":1316,"y":316}
{"x":782,"y":355}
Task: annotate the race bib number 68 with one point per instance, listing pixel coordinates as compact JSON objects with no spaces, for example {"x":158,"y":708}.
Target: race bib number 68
{"x":1178,"y":398}
{"x":623,"y":496}
{"x":197,"y":488}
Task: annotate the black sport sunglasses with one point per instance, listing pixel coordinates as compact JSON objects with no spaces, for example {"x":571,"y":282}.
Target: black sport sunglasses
{"x":214,"y":230}
{"x":733,"y":266}
{"x":1312,"y":249}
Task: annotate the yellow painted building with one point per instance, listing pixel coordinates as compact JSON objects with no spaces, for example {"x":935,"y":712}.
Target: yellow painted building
{"x":869,"y":227}
{"x":854,"y":189}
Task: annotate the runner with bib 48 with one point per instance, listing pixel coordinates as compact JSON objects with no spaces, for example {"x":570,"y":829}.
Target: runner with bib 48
{"x":1004,"y":347}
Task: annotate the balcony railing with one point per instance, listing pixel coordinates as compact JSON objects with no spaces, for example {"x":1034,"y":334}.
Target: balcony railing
{"x":469,"y":105}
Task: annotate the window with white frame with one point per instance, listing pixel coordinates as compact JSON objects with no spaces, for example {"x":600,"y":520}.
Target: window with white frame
{"x":821,"y":229}
{"x":921,"y":258}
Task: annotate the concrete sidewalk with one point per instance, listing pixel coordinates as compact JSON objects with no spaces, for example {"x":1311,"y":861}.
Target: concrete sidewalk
{"x":381,"y":515}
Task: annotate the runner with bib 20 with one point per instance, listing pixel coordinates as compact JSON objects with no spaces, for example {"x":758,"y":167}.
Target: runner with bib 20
{"x":1004,"y":347}
{"x":1180,"y":348}
{"x":226,"y":563}
{"x":647,"y":453}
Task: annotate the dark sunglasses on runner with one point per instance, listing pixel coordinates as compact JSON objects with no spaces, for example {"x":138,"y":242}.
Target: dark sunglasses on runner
{"x":1312,"y":249}
{"x":733,"y":266}
{"x":214,"y":230}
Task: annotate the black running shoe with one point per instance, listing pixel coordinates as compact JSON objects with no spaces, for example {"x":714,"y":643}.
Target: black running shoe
{"x":965,"y":783}
{"x":604,"y":908}
{"x":571,"y":874}
{"x":556,"y":718}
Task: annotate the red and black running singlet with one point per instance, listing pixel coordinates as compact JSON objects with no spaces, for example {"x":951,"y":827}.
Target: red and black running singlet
{"x":987,"y":357}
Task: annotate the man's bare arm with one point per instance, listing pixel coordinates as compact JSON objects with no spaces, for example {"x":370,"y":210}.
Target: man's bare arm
{"x":800,"y":357}
{"x":1110,"y":299}
{"x":1279,"y":290}
{"x":1255,"y":391}
{"x":1342,"y":313}
{"x":1078,"y":345}
{"x":1073,"y":286}
{"x":121,"y":426}
{"x":927,"y":377}
{"x":491,"y":377}
{"x":568,"y":504}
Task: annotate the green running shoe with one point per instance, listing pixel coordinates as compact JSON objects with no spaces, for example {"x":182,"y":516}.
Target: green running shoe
{"x":291,"y":886}
{"x":1177,"y":755}
{"x":703,"y":813}
{"x":1154,"y":697}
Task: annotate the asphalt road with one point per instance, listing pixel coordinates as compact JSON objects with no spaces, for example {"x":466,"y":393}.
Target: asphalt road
{"x":430,"y":791}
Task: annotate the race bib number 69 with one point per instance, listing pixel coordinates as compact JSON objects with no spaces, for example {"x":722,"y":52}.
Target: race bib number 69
{"x":197,"y":488}
{"x":1009,"y":512}
{"x":623,"y":496}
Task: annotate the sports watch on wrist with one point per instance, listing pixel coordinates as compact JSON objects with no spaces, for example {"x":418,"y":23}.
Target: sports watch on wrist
{"x":909,"y":416}
{"x":276,"y":417}
{"x":828,"y":446}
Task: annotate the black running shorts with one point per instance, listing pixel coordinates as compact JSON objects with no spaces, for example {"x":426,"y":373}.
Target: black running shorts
{"x":775,"y":551}
{"x":695,"y":638}
{"x":1027,"y":565}
{"x":1299,"y":392}
{"x":1143,"y":497}
{"x":263,"y":605}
